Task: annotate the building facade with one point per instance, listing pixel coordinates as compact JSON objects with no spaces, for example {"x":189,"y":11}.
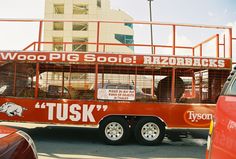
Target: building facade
{"x":81,"y":31}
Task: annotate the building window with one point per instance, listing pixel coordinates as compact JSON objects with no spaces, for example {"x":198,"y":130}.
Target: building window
{"x":80,"y":9}
{"x":58,"y":8}
{"x":129,"y":25}
{"x":79,"y":47}
{"x":80,"y":26}
{"x":57,"y":46}
{"x":58,"y":25}
{"x":99,"y":3}
{"x":125,"y":39}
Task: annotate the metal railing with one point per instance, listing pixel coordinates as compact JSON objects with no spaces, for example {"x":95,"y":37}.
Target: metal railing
{"x":37,"y":45}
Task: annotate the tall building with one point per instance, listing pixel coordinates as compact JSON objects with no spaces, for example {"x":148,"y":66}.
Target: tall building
{"x":86,"y":10}
{"x":81,"y":11}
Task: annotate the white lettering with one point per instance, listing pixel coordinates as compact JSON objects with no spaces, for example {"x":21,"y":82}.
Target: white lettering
{"x":73,"y":57}
{"x":21,"y":57}
{"x":188,"y":61}
{"x":87,"y":113}
{"x":180,"y":61}
{"x":197,"y":62}
{"x":127,"y":60}
{"x":156,"y":60}
{"x":172,"y":61}
{"x":147,"y":60}
{"x":164,"y":60}
{"x":54,"y":57}
{"x":31,"y":58}
{"x":63,"y":57}
{"x":8,"y":56}
{"x":112,"y":59}
{"x":50,"y":110}
{"x":195,"y":117}
{"x":74,"y":110}
{"x":62,"y":111}
{"x":221,"y":63}
{"x":134,"y":59}
{"x":212,"y":63}
{"x":101,"y":59}
{"x":41,"y":58}
{"x":89,"y":58}
{"x":205,"y":62}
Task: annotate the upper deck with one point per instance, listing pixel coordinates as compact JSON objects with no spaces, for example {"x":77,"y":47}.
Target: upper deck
{"x":171,"y":45}
{"x":199,"y":58}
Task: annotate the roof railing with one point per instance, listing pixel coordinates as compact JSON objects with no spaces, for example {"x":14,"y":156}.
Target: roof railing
{"x":174,"y":29}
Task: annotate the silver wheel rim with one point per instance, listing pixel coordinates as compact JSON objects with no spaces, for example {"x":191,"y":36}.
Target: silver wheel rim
{"x":150,"y":131}
{"x":114,"y":131}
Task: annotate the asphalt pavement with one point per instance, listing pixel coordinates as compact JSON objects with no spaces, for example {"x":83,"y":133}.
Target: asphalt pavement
{"x":62,"y":142}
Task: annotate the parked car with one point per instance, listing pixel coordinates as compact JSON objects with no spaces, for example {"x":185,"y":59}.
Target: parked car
{"x":16,"y":144}
{"x":222,"y":134}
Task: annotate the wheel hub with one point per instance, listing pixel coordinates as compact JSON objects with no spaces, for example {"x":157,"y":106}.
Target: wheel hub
{"x":150,"y":131}
{"x":114,"y":131}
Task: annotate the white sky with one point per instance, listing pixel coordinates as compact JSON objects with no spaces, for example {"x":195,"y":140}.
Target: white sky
{"x":212,"y":12}
{"x":217,"y":12}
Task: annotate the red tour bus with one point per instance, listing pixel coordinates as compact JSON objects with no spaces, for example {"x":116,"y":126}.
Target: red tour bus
{"x":148,"y":92}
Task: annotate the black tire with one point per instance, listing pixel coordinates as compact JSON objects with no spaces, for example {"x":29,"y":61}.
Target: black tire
{"x":119,"y":135}
{"x":157,"y":131}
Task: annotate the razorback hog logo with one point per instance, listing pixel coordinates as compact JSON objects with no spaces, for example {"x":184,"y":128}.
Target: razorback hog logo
{"x":12,"y":109}
{"x":200,"y":117}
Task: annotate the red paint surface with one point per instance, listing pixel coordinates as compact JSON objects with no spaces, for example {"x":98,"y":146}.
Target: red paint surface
{"x":224,"y":134}
{"x":14,"y":146}
{"x":174,"y":115}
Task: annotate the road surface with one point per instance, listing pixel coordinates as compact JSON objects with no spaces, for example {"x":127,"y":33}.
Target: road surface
{"x":57,"y":142}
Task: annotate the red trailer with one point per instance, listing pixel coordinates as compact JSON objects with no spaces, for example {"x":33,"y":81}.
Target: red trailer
{"x":117,"y":92}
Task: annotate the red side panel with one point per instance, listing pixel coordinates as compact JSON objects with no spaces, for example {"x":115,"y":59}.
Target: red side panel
{"x":224,"y":137}
{"x":77,"y":112}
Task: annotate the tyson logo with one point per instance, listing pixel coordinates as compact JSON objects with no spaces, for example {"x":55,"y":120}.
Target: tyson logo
{"x":199,"y":117}
{"x":12,"y":109}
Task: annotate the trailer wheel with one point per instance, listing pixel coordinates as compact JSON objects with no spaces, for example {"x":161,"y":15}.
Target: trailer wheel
{"x":149,"y":131}
{"x":114,"y":130}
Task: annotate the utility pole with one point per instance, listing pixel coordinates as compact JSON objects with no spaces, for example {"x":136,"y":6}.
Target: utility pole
{"x":151,"y":29}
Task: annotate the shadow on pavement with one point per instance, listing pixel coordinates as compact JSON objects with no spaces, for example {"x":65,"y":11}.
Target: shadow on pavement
{"x":73,"y":142}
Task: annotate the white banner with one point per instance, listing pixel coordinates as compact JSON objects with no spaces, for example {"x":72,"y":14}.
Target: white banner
{"x":116,"y":94}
